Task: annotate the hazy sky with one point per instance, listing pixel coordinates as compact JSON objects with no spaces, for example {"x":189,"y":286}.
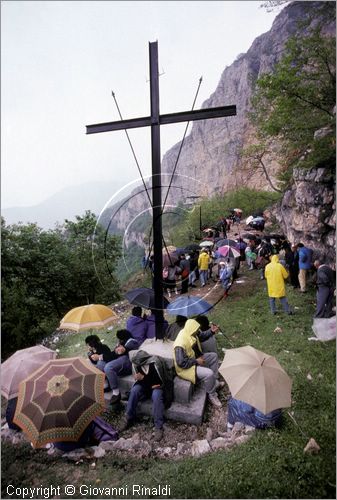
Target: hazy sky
{"x":60,"y":60}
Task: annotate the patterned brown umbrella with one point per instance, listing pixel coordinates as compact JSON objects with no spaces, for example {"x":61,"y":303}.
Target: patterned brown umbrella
{"x":59,"y":400}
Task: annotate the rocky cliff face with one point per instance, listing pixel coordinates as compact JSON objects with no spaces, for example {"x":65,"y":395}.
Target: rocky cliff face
{"x":307,"y":211}
{"x":210,"y":160}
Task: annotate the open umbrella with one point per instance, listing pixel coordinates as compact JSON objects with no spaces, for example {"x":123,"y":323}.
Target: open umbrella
{"x":188,"y":306}
{"x":144,"y":297}
{"x":21,"y":364}
{"x":87,"y":317}
{"x":170,"y":255}
{"x":206,"y":243}
{"x":193,"y":247}
{"x":226,"y":241}
{"x":59,"y":400}
{"x":227,"y":251}
{"x":256,"y":378}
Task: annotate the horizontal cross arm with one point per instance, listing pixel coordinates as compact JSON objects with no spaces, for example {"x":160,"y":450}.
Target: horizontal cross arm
{"x":198,"y":114}
{"x":184,"y":116}
{"x":119,"y":125}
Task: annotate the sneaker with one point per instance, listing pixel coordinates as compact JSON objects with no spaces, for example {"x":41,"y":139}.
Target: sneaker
{"x":158,"y":434}
{"x":126,"y":424}
{"x":229,"y":427}
{"x":214,"y":400}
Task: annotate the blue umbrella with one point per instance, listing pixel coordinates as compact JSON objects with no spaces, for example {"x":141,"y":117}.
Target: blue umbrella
{"x":188,"y":306}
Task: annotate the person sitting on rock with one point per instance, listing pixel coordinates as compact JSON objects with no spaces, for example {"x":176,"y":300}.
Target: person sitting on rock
{"x":136,"y":325}
{"x":239,"y":411}
{"x":97,"y":431}
{"x":206,"y":334}
{"x":152,"y":379}
{"x":114,"y":364}
{"x":150,"y":322}
{"x":10,"y":412}
{"x":174,"y":328}
{"x":192,"y":365}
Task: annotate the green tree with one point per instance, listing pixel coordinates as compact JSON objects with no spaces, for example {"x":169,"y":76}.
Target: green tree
{"x":298,"y":99}
{"x":46,"y":273}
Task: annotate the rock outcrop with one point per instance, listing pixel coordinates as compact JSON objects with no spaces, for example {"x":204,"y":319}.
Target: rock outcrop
{"x":210,"y":161}
{"x":307,"y":211}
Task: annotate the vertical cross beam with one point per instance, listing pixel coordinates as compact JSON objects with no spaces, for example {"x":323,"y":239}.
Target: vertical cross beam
{"x":156,"y":189}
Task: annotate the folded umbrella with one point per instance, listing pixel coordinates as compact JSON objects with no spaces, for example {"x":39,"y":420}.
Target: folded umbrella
{"x":256,"y":378}
{"x":87,"y":317}
{"x":144,"y":297}
{"x":188,"y":306}
{"x":59,"y":400}
{"x":21,"y":364}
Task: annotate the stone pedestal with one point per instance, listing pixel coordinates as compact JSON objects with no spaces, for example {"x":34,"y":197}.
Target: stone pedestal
{"x":188,"y":401}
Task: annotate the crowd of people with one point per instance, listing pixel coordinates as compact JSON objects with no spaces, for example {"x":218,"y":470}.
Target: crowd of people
{"x":194,"y":345}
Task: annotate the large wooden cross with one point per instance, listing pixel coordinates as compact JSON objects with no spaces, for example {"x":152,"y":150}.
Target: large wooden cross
{"x":154,"y":121}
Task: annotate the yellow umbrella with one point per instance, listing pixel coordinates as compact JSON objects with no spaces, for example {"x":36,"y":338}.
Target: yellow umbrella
{"x":256,"y":378}
{"x":86,"y":317}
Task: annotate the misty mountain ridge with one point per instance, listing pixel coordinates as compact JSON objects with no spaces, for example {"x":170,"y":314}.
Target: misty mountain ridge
{"x":66,"y":204}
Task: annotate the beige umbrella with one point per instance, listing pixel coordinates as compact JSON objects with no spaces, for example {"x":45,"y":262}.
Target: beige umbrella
{"x":20,"y":365}
{"x":256,"y":378}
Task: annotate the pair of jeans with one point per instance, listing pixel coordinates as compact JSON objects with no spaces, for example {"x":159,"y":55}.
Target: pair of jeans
{"x":137,"y":394}
{"x":208,"y":374}
{"x":283,"y":301}
{"x":115,"y":368}
{"x":203,"y":276}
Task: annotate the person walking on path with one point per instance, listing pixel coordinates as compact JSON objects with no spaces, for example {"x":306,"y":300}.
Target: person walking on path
{"x":203,"y":263}
{"x":275,"y":275}
{"x":304,"y":264}
{"x":325,"y":282}
{"x":193,"y":365}
{"x":184,"y":265}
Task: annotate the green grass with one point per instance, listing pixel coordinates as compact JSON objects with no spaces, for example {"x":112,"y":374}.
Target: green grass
{"x":272,"y":463}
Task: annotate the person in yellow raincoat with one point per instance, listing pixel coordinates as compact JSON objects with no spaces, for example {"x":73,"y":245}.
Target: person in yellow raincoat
{"x":192,"y":364}
{"x":275,"y":275}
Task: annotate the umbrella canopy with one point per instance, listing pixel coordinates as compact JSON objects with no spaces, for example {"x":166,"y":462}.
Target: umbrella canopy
{"x":144,"y":297}
{"x":86,"y":317}
{"x":227,"y":251}
{"x":256,"y":378}
{"x":170,"y":255}
{"x":59,"y":400}
{"x":226,"y":241}
{"x":21,"y":364}
{"x":248,"y":236}
{"x":188,"y":306}
{"x":193,"y":247}
{"x":206,"y":243}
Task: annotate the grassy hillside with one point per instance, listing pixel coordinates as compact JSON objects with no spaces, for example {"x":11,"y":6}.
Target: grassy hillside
{"x":271,"y":464}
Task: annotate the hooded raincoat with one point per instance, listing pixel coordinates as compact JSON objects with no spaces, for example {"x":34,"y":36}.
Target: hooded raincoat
{"x":187,"y":339}
{"x":275,"y":275}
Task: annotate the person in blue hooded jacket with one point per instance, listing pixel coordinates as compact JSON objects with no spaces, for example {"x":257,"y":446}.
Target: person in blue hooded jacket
{"x":136,"y":325}
{"x":304,"y":264}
